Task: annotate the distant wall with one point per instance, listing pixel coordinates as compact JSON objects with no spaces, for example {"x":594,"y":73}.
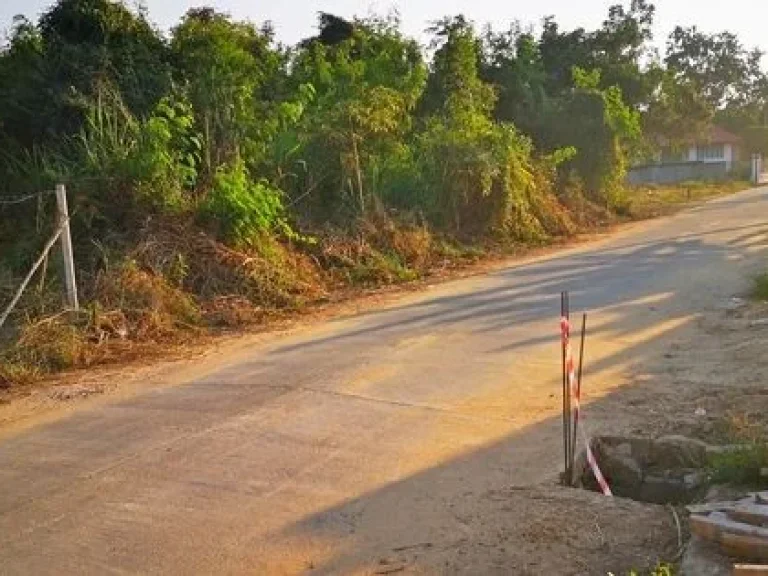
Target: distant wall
{"x":677,"y":172}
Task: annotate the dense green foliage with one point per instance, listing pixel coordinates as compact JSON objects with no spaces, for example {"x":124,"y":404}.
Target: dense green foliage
{"x":219,"y":131}
{"x":220,"y":121}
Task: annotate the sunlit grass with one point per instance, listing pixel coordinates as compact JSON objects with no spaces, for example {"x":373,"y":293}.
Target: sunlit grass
{"x":649,"y":201}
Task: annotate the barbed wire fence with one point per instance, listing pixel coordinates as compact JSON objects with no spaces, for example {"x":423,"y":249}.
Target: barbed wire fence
{"x":62,"y":233}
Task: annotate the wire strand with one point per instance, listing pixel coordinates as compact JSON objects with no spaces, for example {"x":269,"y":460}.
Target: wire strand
{"x":7,"y":201}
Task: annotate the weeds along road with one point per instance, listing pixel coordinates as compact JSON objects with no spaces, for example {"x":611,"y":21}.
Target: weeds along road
{"x":327,"y":449}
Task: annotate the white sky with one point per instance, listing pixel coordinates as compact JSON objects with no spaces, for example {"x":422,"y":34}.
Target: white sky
{"x":295,"y":19}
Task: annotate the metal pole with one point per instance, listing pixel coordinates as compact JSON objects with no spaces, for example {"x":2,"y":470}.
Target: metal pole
{"x":66,"y":247}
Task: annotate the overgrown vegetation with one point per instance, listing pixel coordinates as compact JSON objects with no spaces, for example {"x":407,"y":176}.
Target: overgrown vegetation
{"x":216,"y":176}
{"x":746,"y":456}
{"x":760,"y":287}
{"x":742,"y":465}
{"x":661,"y":569}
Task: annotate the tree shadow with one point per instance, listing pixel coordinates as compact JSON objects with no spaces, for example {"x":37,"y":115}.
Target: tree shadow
{"x":603,"y":277}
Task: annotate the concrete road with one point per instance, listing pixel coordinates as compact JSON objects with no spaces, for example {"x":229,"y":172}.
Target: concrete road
{"x":327,"y":447}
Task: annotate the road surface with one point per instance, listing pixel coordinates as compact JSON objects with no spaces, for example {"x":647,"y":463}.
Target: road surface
{"x":327,"y":447}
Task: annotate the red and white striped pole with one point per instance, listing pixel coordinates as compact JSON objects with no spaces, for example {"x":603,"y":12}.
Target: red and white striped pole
{"x":572,"y":391}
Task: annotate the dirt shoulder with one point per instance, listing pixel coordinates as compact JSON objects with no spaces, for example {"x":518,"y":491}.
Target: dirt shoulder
{"x":711,"y":385}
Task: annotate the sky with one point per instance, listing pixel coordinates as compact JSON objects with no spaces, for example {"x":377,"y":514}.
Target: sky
{"x":296,"y":19}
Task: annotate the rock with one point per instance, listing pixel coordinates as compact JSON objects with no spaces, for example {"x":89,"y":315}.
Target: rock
{"x":623,"y":472}
{"x":636,"y":447}
{"x":703,"y":559}
{"x":670,"y":469}
{"x":735,"y":307}
{"x":669,"y":452}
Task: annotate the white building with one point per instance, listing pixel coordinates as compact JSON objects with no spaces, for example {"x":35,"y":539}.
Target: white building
{"x":716,"y":146}
{"x":713,"y":156}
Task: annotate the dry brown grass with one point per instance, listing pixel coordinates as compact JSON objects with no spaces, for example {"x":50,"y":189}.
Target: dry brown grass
{"x":176,"y":283}
{"x":132,"y":309}
{"x":269,"y":273}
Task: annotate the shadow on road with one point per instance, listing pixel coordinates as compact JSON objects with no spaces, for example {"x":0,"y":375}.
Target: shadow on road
{"x":443,"y":513}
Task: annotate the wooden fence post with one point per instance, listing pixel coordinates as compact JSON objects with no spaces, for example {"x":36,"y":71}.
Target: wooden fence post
{"x":66,"y":247}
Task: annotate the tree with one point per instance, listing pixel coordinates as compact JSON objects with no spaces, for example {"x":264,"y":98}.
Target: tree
{"x":512,"y":62}
{"x":333,"y":30}
{"x":26,"y":113}
{"x":366,"y":88}
{"x":616,"y":49}
{"x":717,"y":65}
{"x":49,"y":72}
{"x":677,"y":112}
{"x":232,"y":73}
{"x":454,"y":83}
{"x":479,"y":174}
{"x":620,"y":46}
{"x":84,"y":40}
{"x":601,"y":128}
{"x":560,"y":53}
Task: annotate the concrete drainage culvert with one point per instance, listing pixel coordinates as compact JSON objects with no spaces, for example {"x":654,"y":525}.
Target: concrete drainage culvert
{"x":667,"y":470}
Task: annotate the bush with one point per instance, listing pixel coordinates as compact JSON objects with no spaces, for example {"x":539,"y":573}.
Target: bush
{"x":269,"y":274}
{"x":152,"y":306}
{"x":242,"y":210}
{"x":165,"y":160}
{"x":482,"y":180}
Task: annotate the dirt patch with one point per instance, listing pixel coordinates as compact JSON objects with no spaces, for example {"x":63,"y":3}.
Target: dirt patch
{"x":549,"y":530}
{"x":712,"y":384}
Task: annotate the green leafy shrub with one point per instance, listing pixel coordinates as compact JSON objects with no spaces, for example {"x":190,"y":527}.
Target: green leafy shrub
{"x":123,"y":166}
{"x":167,"y":155}
{"x":240,"y":209}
